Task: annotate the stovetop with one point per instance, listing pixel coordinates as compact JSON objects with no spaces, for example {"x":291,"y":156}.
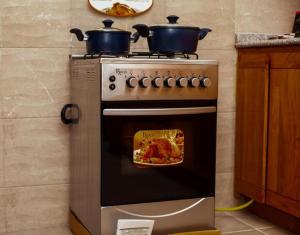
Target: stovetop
{"x":141,"y":55}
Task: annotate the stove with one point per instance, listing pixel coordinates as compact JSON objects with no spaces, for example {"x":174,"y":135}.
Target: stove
{"x":143,"y":137}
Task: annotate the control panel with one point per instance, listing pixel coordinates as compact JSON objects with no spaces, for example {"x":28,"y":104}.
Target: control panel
{"x":129,"y":81}
{"x":168,"y":82}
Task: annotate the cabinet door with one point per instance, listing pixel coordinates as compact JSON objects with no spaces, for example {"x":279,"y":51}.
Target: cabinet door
{"x":251,"y":127}
{"x":283,"y":184}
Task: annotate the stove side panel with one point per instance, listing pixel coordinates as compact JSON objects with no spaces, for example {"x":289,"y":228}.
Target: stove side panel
{"x":85,"y":144}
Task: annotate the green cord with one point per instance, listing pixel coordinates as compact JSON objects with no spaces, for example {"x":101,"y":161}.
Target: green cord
{"x":237,"y":208}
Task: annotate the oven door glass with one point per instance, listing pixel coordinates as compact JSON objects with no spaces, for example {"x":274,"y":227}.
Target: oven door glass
{"x":151,"y":155}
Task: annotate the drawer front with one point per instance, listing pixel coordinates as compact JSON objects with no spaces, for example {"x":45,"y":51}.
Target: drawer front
{"x":290,"y":60}
{"x":253,"y":60}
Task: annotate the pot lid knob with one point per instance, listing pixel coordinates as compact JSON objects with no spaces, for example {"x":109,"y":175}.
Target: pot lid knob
{"x":107,"y":23}
{"x":172,"y":19}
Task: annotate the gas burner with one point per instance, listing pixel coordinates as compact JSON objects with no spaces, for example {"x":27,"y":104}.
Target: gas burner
{"x":158,"y":55}
{"x":104,"y":55}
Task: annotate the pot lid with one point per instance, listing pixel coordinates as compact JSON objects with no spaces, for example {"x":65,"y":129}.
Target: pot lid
{"x":173,"y":23}
{"x":107,"y":27}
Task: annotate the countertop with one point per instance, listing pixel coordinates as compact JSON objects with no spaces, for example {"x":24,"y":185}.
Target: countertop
{"x":247,"y":40}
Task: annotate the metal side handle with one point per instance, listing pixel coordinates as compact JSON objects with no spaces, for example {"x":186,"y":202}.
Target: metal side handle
{"x":159,"y":112}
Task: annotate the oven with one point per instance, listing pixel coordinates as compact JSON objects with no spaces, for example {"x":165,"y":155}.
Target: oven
{"x":143,"y":144}
{"x":157,"y":152}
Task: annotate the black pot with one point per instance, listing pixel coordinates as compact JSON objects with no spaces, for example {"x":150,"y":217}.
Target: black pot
{"x":106,"y":40}
{"x":172,"y":37}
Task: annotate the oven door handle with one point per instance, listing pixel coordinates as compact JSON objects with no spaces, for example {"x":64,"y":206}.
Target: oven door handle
{"x":159,"y":112}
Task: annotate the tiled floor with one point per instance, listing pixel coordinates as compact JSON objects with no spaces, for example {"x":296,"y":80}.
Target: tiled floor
{"x":243,"y":223}
{"x":233,"y":223}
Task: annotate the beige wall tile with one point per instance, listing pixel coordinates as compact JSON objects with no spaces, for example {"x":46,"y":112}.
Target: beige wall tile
{"x":217,"y":15}
{"x":2,"y":210}
{"x":225,"y":142}
{"x":35,"y":23}
{"x":37,"y":207}
{"x":44,"y":231}
{"x":0,"y":29}
{"x":268,"y":16}
{"x":78,"y":50}
{"x":36,"y":151}
{"x":224,"y":190}
{"x":33,"y":82}
{"x":227,"y":76}
{"x":1,"y":154}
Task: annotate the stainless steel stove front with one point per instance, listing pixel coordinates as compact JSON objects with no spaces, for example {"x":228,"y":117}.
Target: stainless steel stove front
{"x":170,"y":216}
{"x":104,"y":84}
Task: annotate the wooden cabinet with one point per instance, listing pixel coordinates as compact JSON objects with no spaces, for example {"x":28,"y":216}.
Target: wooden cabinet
{"x":251,"y":128}
{"x":283,"y":182}
{"x":267,"y":163}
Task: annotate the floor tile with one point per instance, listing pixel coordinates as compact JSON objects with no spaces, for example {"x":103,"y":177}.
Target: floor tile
{"x":246,"y":232}
{"x":227,"y":223}
{"x":251,"y":219}
{"x":277,"y":231}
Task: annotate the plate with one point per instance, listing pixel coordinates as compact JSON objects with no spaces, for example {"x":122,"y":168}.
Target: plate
{"x":155,"y":164}
{"x":121,"y":8}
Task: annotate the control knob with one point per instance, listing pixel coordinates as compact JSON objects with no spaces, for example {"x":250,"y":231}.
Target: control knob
{"x":170,"y":82}
{"x":194,"y":82}
{"x":182,"y":82}
{"x":157,"y":82}
{"x":132,"y":82}
{"x":205,"y":82}
{"x":145,"y":82}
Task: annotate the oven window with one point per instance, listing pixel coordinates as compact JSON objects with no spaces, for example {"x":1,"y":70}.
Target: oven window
{"x":157,"y":158}
{"x":158,"y":148}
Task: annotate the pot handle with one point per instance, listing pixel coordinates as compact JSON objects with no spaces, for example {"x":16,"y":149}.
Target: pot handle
{"x":80,"y":36}
{"x":172,"y":19}
{"x":135,"y":37}
{"x":203,"y":32}
{"x":142,"y":30}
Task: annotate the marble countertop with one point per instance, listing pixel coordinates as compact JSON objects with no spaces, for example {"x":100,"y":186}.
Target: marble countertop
{"x":247,"y":40}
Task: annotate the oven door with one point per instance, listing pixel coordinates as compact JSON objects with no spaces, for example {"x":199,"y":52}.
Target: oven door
{"x":157,"y":154}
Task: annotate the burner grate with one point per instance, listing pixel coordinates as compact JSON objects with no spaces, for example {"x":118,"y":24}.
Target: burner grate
{"x":104,"y":55}
{"x":142,"y":55}
{"x":158,"y":55}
